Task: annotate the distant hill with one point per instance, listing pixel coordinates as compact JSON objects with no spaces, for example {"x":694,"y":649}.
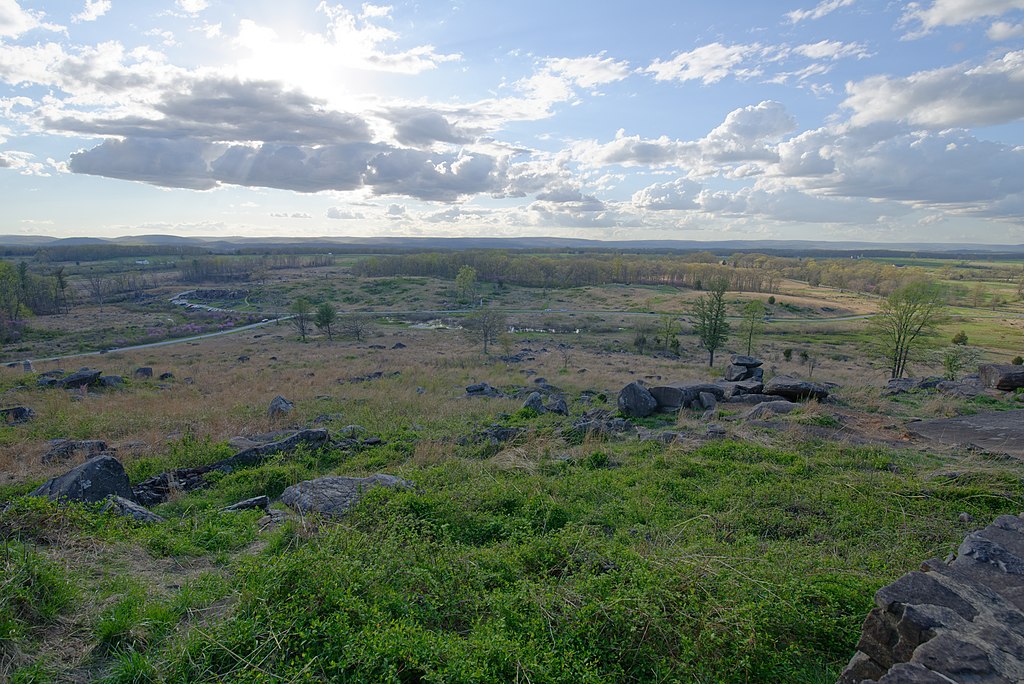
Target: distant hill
{"x":782,"y":247}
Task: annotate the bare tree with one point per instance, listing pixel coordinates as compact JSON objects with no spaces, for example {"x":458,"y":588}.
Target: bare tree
{"x":485,"y":326}
{"x":356,"y":325}
{"x":302,"y":311}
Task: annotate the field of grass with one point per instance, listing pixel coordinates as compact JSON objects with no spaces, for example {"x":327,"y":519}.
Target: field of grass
{"x":748,"y":557}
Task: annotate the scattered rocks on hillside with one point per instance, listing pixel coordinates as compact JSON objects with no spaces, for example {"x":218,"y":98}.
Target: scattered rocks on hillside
{"x":1003,"y":377}
{"x":126,"y":508}
{"x":636,"y":401}
{"x":557,"y":405}
{"x":795,"y":389}
{"x":954,"y":621}
{"x":534,"y":402}
{"x":376,"y":375}
{"x":143,"y":372}
{"x":111,"y":381}
{"x":770,"y":408}
{"x":279,"y":407}
{"x":90,"y":482}
{"x":898,"y":386}
{"x":333,"y":496}
{"x":158,"y":488}
{"x":661,"y":436}
{"x":49,"y":378}
{"x":84,"y":377}
{"x":15,"y":415}
{"x":256,"y":502}
{"x":167,"y":376}
{"x":482,"y":389}
{"x":60,"y":450}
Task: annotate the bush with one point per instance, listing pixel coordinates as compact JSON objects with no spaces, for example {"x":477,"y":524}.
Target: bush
{"x":960,"y":338}
{"x":1018,"y":361}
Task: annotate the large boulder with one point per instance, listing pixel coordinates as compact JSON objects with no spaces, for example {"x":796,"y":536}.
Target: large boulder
{"x":795,"y":389}
{"x":335,"y":495}
{"x":735,"y":372}
{"x":678,"y":395}
{"x":636,"y":401}
{"x":534,"y":402}
{"x":80,"y":378}
{"x":1002,"y":376}
{"x":17,"y":414}
{"x":92,"y":481}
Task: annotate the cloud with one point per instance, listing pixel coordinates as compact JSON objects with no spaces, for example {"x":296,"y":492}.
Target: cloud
{"x":293,"y":167}
{"x":832,"y":50}
{"x":343,"y":215}
{"x":293,"y":215}
{"x":747,"y":134}
{"x":169,"y":163}
{"x":680,"y":195}
{"x":15,"y":21}
{"x":961,"y":95}
{"x":953,"y":13}
{"x":708,"y":63}
{"x":590,"y":71}
{"x":218,"y":109}
{"x":422,"y":127}
{"x":820,"y":10}
{"x":94,"y":9}
{"x":1001,"y":30}
{"x":426,"y":176}
{"x":192,"y":6}
{"x":950,"y":169}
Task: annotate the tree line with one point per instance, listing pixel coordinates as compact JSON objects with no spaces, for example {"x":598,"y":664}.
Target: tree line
{"x":695,"y":271}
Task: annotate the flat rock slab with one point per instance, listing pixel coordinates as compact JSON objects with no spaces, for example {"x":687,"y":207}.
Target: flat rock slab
{"x":1000,"y":432}
{"x":333,"y":496}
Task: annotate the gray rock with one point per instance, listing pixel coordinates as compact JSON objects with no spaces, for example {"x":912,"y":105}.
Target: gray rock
{"x":279,"y":407}
{"x":740,"y":387}
{"x":64,"y":449}
{"x":493,"y":435}
{"x":167,"y":376}
{"x":90,"y":482}
{"x":333,"y":496}
{"x":636,"y":401}
{"x":757,"y":375}
{"x":960,"y":390}
{"x":795,"y":389}
{"x":26,"y":366}
{"x":534,"y":402}
{"x":111,"y":381}
{"x":16,"y":415}
{"x":558,"y":406}
{"x":746,"y":361}
{"x":755,"y":398}
{"x":257,"y":502}
{"x":143,"y":372}
{"x":126,"y":508}
{"x":734,"y":372}
{"x":770,"y":408}
{"x":80,"y":378}
{"x":708,"y":401}
{"x":999,"y":432}
{"x":677,"y":395}
{"x":482,"y":389}
{"x":1004,"y":377}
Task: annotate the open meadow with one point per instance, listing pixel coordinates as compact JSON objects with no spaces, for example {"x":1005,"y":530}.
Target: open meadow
{"x":554,"y":544}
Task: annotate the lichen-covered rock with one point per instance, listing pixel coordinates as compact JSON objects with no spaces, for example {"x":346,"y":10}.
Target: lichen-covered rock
{"x":126,"y":508}
{"x":279,"y":407}
{"x":795,"y":389}
{"x":81,"y":378}
{"x":1004,"y":377}
{"x":333,"y":496}
{"x":769,"y":408}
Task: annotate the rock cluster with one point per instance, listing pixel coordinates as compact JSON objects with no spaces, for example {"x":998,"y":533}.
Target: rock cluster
{"x":744,"y":368}
{"x":959,"y":621}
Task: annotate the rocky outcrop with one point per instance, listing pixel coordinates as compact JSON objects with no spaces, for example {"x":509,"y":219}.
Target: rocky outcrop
{"x":90,"y":482}
{"x":83,"y":377}
{"x":333,"y":496}
{"x":596,"y":424}
{"x":636,"y":401}
{"x":795,"y":389}
{"x":158,"y":488}
{"x":959,"y":621}
{"x":744,"y":368}
{"x":997,"y":432}
{"x":1002,"y":377}
{"x":671,"y":398}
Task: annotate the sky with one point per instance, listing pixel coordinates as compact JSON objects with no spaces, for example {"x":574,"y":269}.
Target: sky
{"x":864,"y":120}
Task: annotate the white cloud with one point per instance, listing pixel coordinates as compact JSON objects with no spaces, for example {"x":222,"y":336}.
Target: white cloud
{"x":820,"y":10}
{"x":344,"y":215}
{"x":708,"y":63}
{"x":14,"y":20}
{"x":375,"y":11}
{"x":192,"y":6}
{"x":961,"y":95}
{"x":832,"y":49}
{"x":94,"y":9}
{"x":1001,"y":30}
{"x":294,"y":215}
{"x":954,"y":12}
{"x":680,"y":194}
{"x":591,"y":71}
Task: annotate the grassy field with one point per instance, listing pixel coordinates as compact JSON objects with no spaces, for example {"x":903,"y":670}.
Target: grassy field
{"x":748,"y":555}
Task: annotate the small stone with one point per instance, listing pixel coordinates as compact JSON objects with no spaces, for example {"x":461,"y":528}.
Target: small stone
{"x":966,"y":517}
{"x":279,"y":407}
